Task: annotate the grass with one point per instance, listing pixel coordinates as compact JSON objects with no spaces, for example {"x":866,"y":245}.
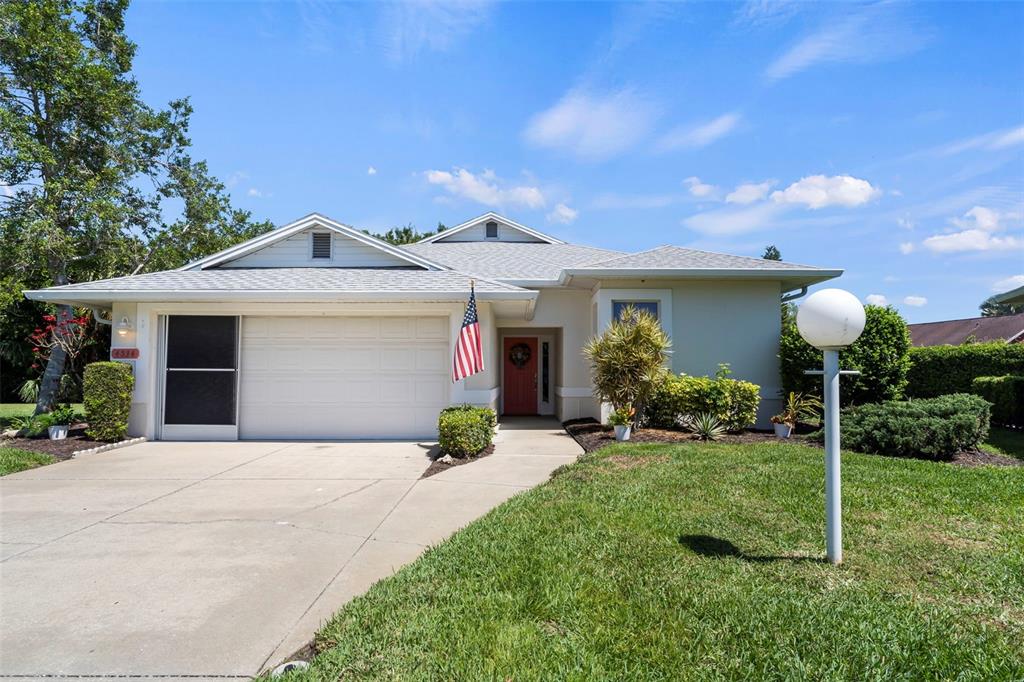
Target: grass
{"x":10,"y":410}
{"x":1006,"y":442}
{"x":13,"y":460}
{"x":704,"y":561}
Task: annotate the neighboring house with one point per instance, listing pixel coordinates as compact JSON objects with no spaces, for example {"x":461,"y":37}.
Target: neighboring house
{"x":1009,"y":328}
{"x":316,"y":330}
{"x":1011,"y":297}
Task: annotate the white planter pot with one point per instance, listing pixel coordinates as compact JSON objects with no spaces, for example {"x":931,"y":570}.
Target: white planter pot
{"x":783,"y":430}
{"x":58,"y":432}
{"x":622,"y":431}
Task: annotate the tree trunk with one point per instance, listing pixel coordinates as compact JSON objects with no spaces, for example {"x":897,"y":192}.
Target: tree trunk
{"x":49,"y":386}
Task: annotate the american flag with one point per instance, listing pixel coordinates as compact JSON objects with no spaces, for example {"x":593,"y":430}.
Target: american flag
{"x":469,"y":351}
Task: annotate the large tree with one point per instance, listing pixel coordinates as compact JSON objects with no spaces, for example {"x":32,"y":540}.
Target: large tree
{"x":95,"y":181}
{"x":407,"y":234}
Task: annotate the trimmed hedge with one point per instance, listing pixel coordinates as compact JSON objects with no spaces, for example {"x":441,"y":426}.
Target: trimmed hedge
{"x":881,"y":355}
{"x":1006,"y":394}
{"x":932,"y":428}
{"x":734,"y":403}
{"x":940,"y":370}
{"x":107,"y":394}
{"x":465,"y":430}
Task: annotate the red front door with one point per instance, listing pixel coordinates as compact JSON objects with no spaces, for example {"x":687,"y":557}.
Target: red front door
{"x":520,"y":375}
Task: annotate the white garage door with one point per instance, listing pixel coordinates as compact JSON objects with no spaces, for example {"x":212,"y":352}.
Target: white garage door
{"x":342,"y":377}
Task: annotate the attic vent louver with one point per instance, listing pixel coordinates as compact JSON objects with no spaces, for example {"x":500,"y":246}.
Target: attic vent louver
{"x":321,"y":245}
{"x":492,"y":230}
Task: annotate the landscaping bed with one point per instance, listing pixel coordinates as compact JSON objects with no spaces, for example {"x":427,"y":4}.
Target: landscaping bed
{"x":593,"y":436}
{"x":439,"y":464}
{"x":59,"y":449}
{"x":701,"y":561}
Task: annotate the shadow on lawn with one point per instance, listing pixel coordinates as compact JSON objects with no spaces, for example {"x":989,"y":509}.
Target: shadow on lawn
{"x":717,"y":548}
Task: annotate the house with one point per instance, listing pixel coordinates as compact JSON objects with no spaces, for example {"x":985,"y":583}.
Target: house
{"x":1009,"y":328}
{"x":1013,"y":296}
{"x":316,"y":330}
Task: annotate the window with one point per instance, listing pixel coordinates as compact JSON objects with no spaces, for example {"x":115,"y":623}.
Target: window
{"x":491,"y":230}
{"x":322,"y":245}
{"x":649,"y":306}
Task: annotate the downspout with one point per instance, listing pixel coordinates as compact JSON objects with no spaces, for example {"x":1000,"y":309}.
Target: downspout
{"x":792,"y":297}
{"x":100,"y":320}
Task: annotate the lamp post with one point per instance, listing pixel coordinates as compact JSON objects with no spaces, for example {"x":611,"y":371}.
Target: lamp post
{"x":831,"y":319}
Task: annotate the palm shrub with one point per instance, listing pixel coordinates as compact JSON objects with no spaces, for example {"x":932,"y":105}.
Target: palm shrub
{"x":628,"y":360}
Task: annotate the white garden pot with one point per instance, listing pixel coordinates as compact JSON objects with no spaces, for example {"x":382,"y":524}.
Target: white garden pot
{"x":783,"y":430}
{"x":58,"y":432}
{"x":622,"y":431}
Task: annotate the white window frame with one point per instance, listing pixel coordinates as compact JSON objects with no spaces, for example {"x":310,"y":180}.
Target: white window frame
{"x":312,"y":240}
{"x":606,"y":298}
{"x":631,"y":301}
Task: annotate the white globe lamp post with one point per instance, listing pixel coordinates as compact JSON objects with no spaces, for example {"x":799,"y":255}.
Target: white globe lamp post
{"x":831,"y":319}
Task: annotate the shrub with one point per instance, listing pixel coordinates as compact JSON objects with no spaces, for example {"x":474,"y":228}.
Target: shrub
{"x":932,"y":428}
{"x":32,"y":426}
{"x":1006,"y":394}
{"x":627,"y":361}
{"x":939,"y":370}
{"x":107,"y":393}
{"x":705,"y":426}
{"x":465,"y":430}
{"x":881,"y":355}
{"x":677,"y":398}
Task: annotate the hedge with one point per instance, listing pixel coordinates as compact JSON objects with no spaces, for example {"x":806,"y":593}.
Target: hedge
{"x":734,"y":403}
{"x":931,"y":428}
{"x":881,"y":355}
{"x":1006,"y":394}
{"x":940,"y":370}
{"x":107,"y":394}
{"x":465,"y":430}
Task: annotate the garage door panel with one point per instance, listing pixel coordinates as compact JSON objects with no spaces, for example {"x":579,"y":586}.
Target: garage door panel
{"x":343,"y":377}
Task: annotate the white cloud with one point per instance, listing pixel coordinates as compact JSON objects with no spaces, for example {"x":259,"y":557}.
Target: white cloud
{"x":876,"y":299}
{"x":992,"y":141}
{"x":371,"y":171}
{"x":763,"y":13}
{"x":906,"y":248}
{"x":905,"y":222}
{"x":562,"y":214}
{"x":699,"y":135}
{"x":1008,"y":284}
{"x":486,"y":188}
{"x":732,"y":221}
{"x":971,"y":240}
{"x":915,"y":301}
{"x":413,"y":27}
{"x":977,"y":233}
{"x":593,"y":126}
{"x":876,"y":34}
{"x":749,"y":193}
{"x":819,"y":191}
{"x":699,"y":189}
{"x":253,"y":192}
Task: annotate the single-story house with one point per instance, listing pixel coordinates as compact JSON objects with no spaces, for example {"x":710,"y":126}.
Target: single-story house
{"x":316,"y":330}
{"x":1009,"y":328}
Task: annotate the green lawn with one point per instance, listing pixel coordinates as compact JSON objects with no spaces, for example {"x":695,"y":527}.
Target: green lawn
{"x":697,"y":561}
{"x":1005,"y":442}
{"x":13,"y":460}
{"x":9,"y":410}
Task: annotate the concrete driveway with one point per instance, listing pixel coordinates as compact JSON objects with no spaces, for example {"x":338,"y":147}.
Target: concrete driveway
{"x":220,"y":559}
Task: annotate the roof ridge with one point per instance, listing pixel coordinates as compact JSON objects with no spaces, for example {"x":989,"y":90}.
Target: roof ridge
{"x":968,"y":319}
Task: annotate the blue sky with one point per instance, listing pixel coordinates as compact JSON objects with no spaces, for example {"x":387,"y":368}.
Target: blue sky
{"x":886,"y":138}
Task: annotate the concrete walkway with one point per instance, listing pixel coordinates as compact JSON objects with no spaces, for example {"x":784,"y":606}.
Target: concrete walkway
{"x":220,"y":559}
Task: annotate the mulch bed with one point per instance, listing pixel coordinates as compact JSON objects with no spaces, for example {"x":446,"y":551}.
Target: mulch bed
{"x":437,"y":466}
{"x":592,"y":436}
{"x":60,"y":449}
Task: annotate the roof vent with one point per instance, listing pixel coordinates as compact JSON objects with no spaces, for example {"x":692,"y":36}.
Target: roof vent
{"x":321,"y":245}
{"x":492,"y":230}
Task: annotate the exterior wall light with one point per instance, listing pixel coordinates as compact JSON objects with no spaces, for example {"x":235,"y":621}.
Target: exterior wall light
{"x":831,"y":319}
{"x":124,"y":326}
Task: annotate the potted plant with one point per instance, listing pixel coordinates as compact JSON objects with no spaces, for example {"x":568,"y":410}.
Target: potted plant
{"x":60,"y":420}
{"x":799,"y":407}
{"x":622,"y":420}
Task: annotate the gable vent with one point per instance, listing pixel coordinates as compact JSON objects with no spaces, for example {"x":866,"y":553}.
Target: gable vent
{"x":492,"y":230}
{"x":321,"y":245}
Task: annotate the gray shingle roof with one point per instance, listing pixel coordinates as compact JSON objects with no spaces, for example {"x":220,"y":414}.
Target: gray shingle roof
{"x":511,"y":260}
{"x":678,"y":258}
{"x":292,"y":279}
